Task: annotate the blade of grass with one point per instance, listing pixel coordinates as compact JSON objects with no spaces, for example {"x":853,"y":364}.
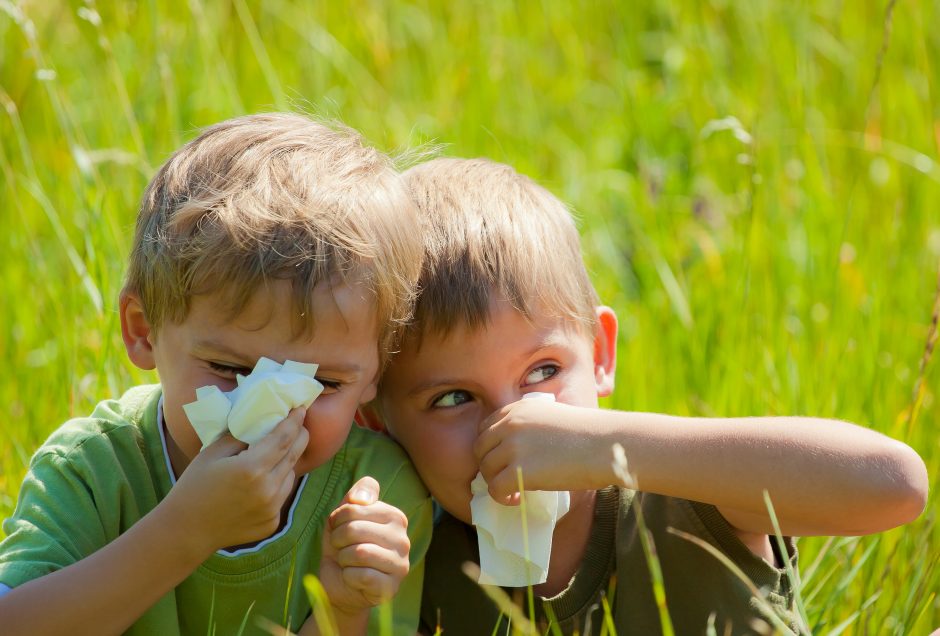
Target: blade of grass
{"x":523,"y":510}
{"x":766,"y":608}
{"x":656,"y":574}
{"x":513,"y":612}
{"x":792,"y":575}
{"x":321,"y":606}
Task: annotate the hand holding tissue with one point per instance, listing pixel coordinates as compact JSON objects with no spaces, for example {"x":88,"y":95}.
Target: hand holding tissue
{"x":513,"y":553}
{"x":261,"y":400}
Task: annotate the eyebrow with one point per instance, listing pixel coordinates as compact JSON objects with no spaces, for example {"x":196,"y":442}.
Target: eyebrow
{"x":214,"y":346}
{"x":546,"y":343}
{"x":433,"y":384}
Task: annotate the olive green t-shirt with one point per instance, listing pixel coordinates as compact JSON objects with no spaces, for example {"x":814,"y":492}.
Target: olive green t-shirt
{"x":97,"y":476}
{"x":697,"y":586}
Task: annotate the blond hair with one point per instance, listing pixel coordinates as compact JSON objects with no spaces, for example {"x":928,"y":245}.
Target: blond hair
{"x":275,"y":197}
{"x":492,"y":232}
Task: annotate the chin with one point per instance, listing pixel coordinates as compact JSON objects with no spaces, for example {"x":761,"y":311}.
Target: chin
{"x":306,"y":464}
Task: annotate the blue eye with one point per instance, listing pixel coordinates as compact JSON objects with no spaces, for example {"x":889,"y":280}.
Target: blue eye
{"x":450,"y":399}
{"x":541,"y":374}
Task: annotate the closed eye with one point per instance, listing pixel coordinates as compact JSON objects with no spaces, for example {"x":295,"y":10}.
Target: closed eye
{"x":228,"y":371}
{"x":329,"y":386}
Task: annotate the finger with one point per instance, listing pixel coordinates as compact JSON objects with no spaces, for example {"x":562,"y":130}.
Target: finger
{"x":492,"y":419}
{"x":224,"y":446}
{"x":495,"y":462}
{"x":379,"y":512}
{"x":486,"y":441}
{"x":276,"y":444}
{"x":363,"y":492}
{"x":289,"y":461}
{"x":287,"y":487}
{"x":376,"y":557}
{"x":504,"y":486}
{"x":375,"y":586}
{"x":393,"y":538}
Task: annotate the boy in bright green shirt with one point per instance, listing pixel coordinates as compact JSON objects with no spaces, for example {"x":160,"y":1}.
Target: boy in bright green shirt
{"x":267,"y":236}
{"x":507,"y":309}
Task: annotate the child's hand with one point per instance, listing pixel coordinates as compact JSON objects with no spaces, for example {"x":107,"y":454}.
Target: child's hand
{"x":365,"y":552}
{"x":554,"y":444}
{"x":231,"y":494}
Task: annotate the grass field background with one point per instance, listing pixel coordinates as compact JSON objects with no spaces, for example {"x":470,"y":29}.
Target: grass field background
{"x":757,"y":183}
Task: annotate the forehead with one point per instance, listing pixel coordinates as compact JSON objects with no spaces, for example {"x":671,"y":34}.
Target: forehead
{"x":343,"y":319}
{"x":507,"y":333}
{"x":275,"y":302}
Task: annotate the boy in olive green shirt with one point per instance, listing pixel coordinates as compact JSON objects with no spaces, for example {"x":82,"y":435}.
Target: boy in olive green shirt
{"x":506,"y":309}
{"x":267,"y":236}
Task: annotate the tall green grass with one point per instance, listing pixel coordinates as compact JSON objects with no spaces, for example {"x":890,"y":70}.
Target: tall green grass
{"x":757,"y":182}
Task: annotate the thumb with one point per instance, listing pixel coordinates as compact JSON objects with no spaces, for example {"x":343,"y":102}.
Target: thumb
{"x":363,"y":492}
{"x":224,"y":446}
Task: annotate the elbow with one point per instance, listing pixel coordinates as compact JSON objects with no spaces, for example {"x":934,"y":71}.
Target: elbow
{"x":906,"y":487}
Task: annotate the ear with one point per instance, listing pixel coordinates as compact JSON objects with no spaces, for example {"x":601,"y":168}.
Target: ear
{"x":605,"y":350}
{"x":367,"y":416}
{"x":136,"y":331}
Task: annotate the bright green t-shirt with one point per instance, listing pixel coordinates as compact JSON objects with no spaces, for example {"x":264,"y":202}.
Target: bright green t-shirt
{"x":97,"y":476}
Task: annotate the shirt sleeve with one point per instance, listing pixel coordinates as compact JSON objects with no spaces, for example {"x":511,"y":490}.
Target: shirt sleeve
{"x":55,"y":523}
{"x":407,"y":493}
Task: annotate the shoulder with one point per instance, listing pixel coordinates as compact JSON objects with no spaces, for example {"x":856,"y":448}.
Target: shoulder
{"x":116,"y":429}
{"x":694,"y":536}
{"x":370,"y":453}
{"x":86,"y":485}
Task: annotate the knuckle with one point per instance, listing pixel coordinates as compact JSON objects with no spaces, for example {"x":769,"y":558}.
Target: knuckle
{"x":362,"y":552}
{"x":354,"y":578}
{"x":284,"y":443}
{"x":402,"y":570}
{"x":268,"y":493}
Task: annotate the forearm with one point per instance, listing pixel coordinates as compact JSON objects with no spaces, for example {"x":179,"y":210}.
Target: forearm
{"x":107,"y":591}
{"x":824,"y":477}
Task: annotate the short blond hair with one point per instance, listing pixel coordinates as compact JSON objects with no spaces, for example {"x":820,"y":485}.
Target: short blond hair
{"x":276,"y":197}
{"x":492,"y":232}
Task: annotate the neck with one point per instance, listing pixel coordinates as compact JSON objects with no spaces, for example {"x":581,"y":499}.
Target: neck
{"x":569,"y":543}
{"x":178,"y":459}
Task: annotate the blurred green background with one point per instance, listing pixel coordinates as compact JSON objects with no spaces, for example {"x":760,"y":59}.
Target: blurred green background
{"x":757,"y":183}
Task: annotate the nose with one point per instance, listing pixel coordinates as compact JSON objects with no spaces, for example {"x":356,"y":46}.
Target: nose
{"x":498,"y":399}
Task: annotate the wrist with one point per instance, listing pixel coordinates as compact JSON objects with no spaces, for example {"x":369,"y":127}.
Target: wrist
{"x":189,"y":540}
{"x":353,"y":621}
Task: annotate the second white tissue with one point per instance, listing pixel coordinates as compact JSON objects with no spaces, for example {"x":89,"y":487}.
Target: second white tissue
{"x":513,"y":553}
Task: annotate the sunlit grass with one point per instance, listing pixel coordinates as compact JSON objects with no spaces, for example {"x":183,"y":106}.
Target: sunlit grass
{"x":783,"y":262}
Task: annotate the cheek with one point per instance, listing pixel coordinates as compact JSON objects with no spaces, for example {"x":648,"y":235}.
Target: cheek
{"x":579,"y":389}
{"x":179,"y":428}
{"x":446,"y":463}
{"x":328,"y":428}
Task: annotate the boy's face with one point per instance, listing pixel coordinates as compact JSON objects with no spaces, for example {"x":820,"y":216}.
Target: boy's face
{"x":433,"y":399}
{"x":206,"y":348}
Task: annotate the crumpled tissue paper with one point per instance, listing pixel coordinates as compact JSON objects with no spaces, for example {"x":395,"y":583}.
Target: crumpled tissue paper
{"x":262,"y":399}
{"x":500,"y":533}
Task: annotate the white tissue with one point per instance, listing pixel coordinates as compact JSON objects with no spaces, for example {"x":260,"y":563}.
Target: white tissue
{"x":260,"y":401}
{"x":503,"y":544}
